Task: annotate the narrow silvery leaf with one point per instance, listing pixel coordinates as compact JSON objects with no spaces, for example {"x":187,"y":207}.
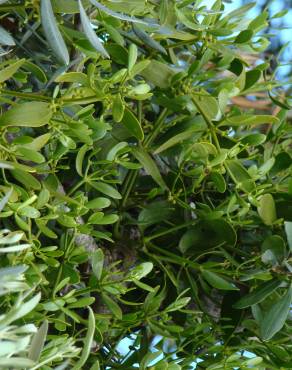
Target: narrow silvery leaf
{"x":52,"y":33}
{"x":116,"y":14}
{"x":5,"y":37}
{"x":89,"y":32}
{"x":5,"y":199}
{"x":38,"y":342}
{"x":143,"y":36}
{"x":88,"y":340}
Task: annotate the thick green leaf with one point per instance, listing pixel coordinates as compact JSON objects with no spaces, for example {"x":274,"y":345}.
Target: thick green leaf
{"x":288,"y":230}
{"x":258,"y":295}
{"x":132,"y":56}
{"x":118,"y":108}
{"x":87,"y":341}
{"x":206,"y":104}
{"x":9,"y":71}
{"x":240,"y":175}
{"x":217,"y":281}
{"x":98,"y":203}
{"x":149,"y":165}
{"x":106,"y":189}
{"x":52,"y":33}
{"x":32,"y":114}
{"x":115,"y":14}
{"x":89,"y":32}
{"x":174,"y":140}
{"x":267,"y":209}
{"x":147,"y":40}
{"x":243,"y":37}
{"x":97,"y":262}
{"x":275,"y":317}
{"x":113,"y":306}
{"x":249,"y":120}
{"x":158,"y":73}
{"x":132,"y":124}
{"x":273,"y":250}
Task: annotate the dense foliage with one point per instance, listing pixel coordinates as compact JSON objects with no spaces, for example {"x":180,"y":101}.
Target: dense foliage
{"x":145,"y":188}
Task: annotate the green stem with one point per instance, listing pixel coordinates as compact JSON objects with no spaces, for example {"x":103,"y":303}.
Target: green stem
{"x":174,"y":258}
{"x":22,"y":95}
{"x":210,"y":125}
{"x":168,"y":231}
{"x":151,"y":137}
{"x":80,"y":183}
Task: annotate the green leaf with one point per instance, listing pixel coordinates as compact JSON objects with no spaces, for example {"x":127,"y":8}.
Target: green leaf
{"x":132,"y":56}
{"x":274,"y":319}
{"x":219,"y":231}
{"x":115,"y":14}
{"x":107,"y":220}
{"x":90,"y":33}
{"x":178,"y":304}
{"x":97,"y":261}
{"x":80,"y":158}
{"x":38,"y":342}
{"x":30,"y":155}
{"x":118,"y":108}
{"x":29,"y":181}
{"x":243,"y":37}
{"x":99,"y":203}
{"x":254,"y":139}
{"x":29,"y":212}
{"x":149,"y":358}
{"x":251,"y":78}
{"x":288,"y":230}
{"x":140,"y":271}
{"x":218,"y":181}
{"x":150,"y":166}
{"x":35,"y":70}
{"x":147,"y":40}
{"x":82,"y":302}
{"x":267,"y":209}
{"x":87,"y":341}
{"x":132,"y":124}
{"x":249,"y":120}
{"x":240,"y":175}
{"x":32,"y":114}
{"x":9,"y":71}
{"x":106,"y":189}
{"x":158,"y":73}
{"x":38,"y":143}
{"x":217,"y":281}
{"x":258,"y":295}
{"x":206,"y":104}
{"x":52,"y":33}
{"x":113,"y":306}
{"x":174,"y":140}
{"x":273,"y":250}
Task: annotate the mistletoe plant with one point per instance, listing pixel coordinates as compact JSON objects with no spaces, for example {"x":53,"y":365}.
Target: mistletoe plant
{"x":145,"y":188}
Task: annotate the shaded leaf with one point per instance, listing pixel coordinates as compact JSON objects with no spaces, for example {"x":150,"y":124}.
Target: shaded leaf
{"x":275,"y":317}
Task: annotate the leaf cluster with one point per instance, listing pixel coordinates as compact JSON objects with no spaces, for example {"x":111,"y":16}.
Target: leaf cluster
{"x":146,"y":192}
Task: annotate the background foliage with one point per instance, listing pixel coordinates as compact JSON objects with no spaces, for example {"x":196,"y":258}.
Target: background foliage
{"x":146,"y":187}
